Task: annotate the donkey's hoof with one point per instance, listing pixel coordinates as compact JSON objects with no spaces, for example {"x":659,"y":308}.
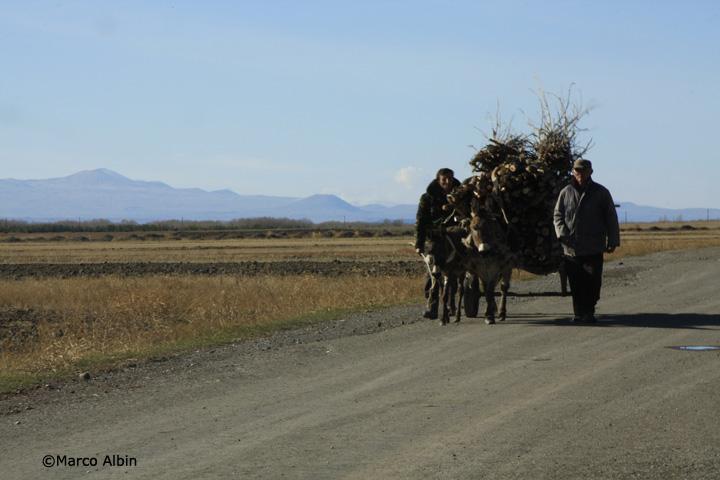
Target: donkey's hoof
{"x":457,"y":320}
{"x":502,"y":318}
{"x":443,"y":322}
{"x":490,"y":321}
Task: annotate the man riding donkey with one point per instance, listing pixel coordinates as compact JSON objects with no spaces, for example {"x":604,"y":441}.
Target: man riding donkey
{"x":460,"y":235}
{"x":431,"y":240}
{"x":464,"y":235}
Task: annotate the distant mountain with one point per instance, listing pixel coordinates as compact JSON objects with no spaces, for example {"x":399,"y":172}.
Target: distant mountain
{"x":632,"y":212}
{"x":103,"y":193}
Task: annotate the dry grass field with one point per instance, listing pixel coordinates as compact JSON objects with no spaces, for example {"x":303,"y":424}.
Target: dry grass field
{"x":233,"y":250}
{"x":57,"y":326}
{"x":637,"y":240}
{"x":648,"y":240}
{"x":67,"y":322}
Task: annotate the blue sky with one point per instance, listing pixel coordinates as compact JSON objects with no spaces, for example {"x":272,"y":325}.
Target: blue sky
{"x":360,"y":99}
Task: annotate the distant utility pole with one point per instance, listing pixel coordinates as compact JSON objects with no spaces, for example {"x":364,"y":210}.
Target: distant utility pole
{"x":708,"y":215}
{"x":617,"y":205}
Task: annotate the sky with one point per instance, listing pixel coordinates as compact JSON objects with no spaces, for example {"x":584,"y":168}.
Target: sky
{"x":364,"y":100}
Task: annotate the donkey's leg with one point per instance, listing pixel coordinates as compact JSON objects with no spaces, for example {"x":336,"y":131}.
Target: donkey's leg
{"x":461,"y":290}
{"x":445,"y":319}
{"x":504,"y":287}
{"x":452,"y":280}
{"x":489,"y":289}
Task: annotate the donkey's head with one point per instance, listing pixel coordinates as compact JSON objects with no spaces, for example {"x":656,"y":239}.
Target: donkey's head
{"x":486,"y":234}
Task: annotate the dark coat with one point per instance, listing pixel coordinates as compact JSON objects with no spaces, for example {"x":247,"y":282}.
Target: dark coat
{"x":430,"y":213}
{"x":585,"y":220}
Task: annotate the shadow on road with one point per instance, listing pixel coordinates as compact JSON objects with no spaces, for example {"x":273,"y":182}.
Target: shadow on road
{"x":648,"y":320}
{"x":535,"y":294}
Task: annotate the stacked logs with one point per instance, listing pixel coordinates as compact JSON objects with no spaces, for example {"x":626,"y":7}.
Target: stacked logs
{"x":518,"y":178}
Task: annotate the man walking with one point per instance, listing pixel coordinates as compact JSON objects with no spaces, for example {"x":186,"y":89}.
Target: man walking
{"x":587,"y":225}
{"x":429,"y":239}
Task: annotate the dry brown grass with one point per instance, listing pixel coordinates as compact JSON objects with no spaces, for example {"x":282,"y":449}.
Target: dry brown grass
{"x":371,"y":249}
{"x":119,"y":317}
{"x":635,"y":242}
{"x":633,"y":245}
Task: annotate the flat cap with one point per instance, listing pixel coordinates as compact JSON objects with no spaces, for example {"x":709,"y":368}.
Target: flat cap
{"x":582,"y":164}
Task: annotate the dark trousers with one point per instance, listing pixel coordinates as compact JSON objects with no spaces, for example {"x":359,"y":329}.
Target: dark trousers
{"x":585,"y":277}
{"x":432,"y":295}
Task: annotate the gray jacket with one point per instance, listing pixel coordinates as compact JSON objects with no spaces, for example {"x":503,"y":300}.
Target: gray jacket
{"x":586,"y":223}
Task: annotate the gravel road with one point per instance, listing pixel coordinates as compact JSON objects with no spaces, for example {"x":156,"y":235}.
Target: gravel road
{"x":384,"y":395}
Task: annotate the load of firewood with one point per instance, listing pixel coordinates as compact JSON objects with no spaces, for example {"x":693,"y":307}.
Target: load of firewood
{"x":519,"y":177}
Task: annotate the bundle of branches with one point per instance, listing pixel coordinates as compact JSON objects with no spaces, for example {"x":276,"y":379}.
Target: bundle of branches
{"x":555,"y":139}
{"x":498,"y":151}
{"x":525,"y":175}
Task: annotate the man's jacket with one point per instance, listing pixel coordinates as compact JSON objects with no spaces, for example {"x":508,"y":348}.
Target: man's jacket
{"x":585,"y":219}
{"x":430,"y":213}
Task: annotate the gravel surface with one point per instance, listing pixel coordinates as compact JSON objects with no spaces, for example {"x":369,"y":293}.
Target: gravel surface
{"x":383,"y":394}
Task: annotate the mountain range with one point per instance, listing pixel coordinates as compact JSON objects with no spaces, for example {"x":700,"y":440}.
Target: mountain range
{"x":102,"y":193}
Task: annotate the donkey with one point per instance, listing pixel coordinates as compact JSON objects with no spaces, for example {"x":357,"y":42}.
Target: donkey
{"x":447,"y":278}
{"x":489,"y":258}
{"x":484,"y":253}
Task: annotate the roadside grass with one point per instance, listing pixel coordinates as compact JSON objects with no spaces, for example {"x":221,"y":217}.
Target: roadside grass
{"x":94,"y":323}
{"x":636,"y":245}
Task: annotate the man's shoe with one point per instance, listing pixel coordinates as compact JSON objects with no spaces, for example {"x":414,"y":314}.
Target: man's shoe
{"x":430,"y":315}
{"x":589,"y":318}
{"x":577,"y":319}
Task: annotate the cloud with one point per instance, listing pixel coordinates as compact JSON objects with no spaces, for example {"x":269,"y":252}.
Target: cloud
{"x":408,"y":177}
